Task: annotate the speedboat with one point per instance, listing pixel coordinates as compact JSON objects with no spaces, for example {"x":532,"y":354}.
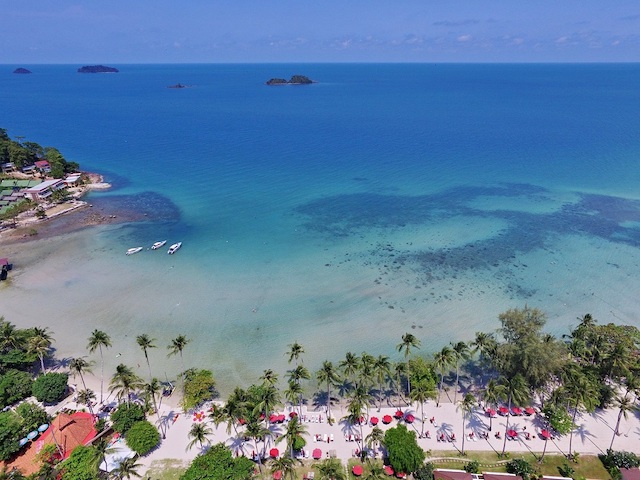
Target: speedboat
{"x":131,"y":251}
{"x":157,"y":245}
{"x":174,"y":248}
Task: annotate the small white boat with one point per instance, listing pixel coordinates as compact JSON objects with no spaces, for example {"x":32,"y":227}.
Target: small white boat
{"x":131,"y":251}
{"x":174,"y":248}
{"x":157,"y":245}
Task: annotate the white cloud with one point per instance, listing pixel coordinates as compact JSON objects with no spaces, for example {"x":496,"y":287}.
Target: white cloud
{"x":464,"y":38}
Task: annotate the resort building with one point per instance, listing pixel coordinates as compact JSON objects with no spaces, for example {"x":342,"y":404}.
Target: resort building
{"x":8,"y":167}
{"x":44,"y":190}
{"x":43,"y":165}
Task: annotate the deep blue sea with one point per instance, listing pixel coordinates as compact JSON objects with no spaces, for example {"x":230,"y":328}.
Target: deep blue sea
{"x":382,"y":199}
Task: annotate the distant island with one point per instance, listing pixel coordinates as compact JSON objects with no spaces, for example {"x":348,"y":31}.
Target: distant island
{"x":21,"y":70}
{"x":295,"y":80}
{"x":97,"y":69}
{"x":179,"y":85}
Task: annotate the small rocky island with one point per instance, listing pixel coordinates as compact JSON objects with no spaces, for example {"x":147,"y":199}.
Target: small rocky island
{"x":295,"y":80}
{"x":21,"y":70}
{"x":97,"y":69}
{"x":179,"y":85}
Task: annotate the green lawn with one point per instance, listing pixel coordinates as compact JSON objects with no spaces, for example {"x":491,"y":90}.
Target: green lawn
{"x":168,"y":469}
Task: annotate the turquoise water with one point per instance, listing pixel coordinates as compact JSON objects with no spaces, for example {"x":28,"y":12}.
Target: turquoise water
{"x":341,"y":214}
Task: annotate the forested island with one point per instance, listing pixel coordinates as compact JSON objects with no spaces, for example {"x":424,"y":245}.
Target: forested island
{"x":97,"y":69}
{"x":295,"y":80}
{"x":21,"y":70}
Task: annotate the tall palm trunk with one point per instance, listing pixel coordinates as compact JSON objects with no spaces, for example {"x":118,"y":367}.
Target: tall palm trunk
{"x":573,"y":422}
{"x":544,"y":450}
{"x":328,"y":402}
{"x":101,"y":374}
{"x":504,"y":442}
{"x":455,"y":394}
{"x":464,"y":429}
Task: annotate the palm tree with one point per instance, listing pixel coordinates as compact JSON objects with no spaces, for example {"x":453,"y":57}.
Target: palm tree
{"x":409,"y":341}
{"x":350,"y":366}
{"x":582,"y":392}
{"x":40,"y":345}
{"x":359,"y":399}
{"x":79,"y":366}
{"x":382,"y":370}
{"x":175,"y":347}
{"x":128,"y":468}
{"x":86,"y":397}
{"x":257,"y":432}
{"x":374,"y":471}
{"x":267,"y":397}
{"x":367,"y":369}
{"x":269,"y":377}
{"x":10,"y":336}
{"x":460,"y":352}
{"x":375,"y":438}
{"x":484,"y":343}
{"x":442,"y":361}
{"x":330,"y":469}
{"x":422,"y":391}
{"x":286,"y":465}
{"x":97,"y":340}
{"x":152,"y":389}
{"x":199,"y":434}
{"x":294,"y":430}
{"x":329,"y":376}
{"x":466,"y":405}
{"x":124,"y":381}
{"x":400,"y":369}
{"x":494,"y":393}
{"x":295,"y":375}
{"x":145,"y":344}
{"x":626,"y":405}
{"x":294,"y":393}
{"x":516,"y":391}
{"x":295,"y":352}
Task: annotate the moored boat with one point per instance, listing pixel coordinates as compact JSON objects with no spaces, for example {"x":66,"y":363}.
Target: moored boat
{"x":174,"y":248}
{"x":131,"y":251}
{"x":157,"y":245}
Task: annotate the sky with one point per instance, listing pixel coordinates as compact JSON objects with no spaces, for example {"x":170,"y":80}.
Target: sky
{"x":306,"y":31}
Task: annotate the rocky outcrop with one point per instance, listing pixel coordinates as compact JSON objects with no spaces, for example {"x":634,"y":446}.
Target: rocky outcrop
{"x":97,"y":69}
{"x":295,"y":80}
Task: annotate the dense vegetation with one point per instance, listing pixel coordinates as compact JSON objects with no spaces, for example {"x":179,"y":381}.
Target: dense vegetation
{"x":50,"y":388}
{"x":218,"y":464}
{"x":23,"y":154}
{"x":142,"y":437}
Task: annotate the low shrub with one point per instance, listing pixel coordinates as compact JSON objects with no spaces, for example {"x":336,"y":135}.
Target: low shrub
{"x":142,"y":437}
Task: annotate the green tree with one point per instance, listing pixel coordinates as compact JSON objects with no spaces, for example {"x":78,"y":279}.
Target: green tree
{"x":375,"y":438}
{"x":494,"y":393}
{"x":294,"y":430}
{"x":466,"y":406}
{"x":520,"y":466}
{"x":176,"y":347}
{"x":295,"y":352}
{"x":582,"y":393}
{"x":199,"y":386}
{"x":14,"y":386}
{"x":422,"y":391}
{"x":286,"y":465}
{"x":50,"y":387}
{"x":330,"y":469}
{"x":405,"y":455}
{"x":460,"y":352}
{"x":86,"y":397}
{"x":10,"y":429}
{"x":350,"y":367}
{"x":329,"y":376}
{"x":79,"y":366}
{"x":374,"y":471}
{"x":625,"y":405}
{"x":32,"y":415}
{"x":128,"y":468}
{"x":146,"y":343}
{"x":124,"y":382}
{"x":516,"y":391}
{"x":382,"y":371}
{"x":82,"y":464}
{"x":442,"y":361}
{"x":97,"y":341}
{"x":409,"y":342}
{"x":40,"y":344}
{"x":10,"y":336}
{"x":557,"y":419}
{"x":142,"y":437}
{"x":199,"y":434}
{"x":217,"y":463}
{"x":269,"y":377}
{"x":125,"y":416}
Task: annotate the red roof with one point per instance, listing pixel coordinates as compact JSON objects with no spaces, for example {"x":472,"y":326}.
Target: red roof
{"x":439,"y":474}
{"x":70,"y":431}
{"x":41,"y":163}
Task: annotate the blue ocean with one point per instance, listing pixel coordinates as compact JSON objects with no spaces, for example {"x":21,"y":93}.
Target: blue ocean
{"x":382,"y":199}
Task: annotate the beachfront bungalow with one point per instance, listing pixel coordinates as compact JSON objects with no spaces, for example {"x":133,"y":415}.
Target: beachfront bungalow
{"x":29,"y":169}
{"x":73,"y":180}
{"x":44,"y":190}
{"x":43,"y":165}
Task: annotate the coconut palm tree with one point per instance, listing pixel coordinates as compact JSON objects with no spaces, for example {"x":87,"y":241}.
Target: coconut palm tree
{"x":176,"y":347}
{"x":350,"y":366}
{"x":128,"y":468}
{"x":582,"y":393}
{"x":269,"y":377}
{"x":267,"y":397}
{"x":80,"y":366}
{"x":374,"y":471}
{"x":86,"y":397}
{"x":422,"y":391}
{"x":295,"y":375}
{"x":258,"y":433}
{"x":460,"y":352}
{"x":399,"y":369}
{"x":152,"y":389}
{"x":123,"y":382}
{"x":381,"y":370}
{"x":329,"y":376}
{"x":626,"y":405}
{"x":409,"y":342}
{"x":199,"y":434}
{"x":330,"y":469}
{"x":98,"y":340}
{"x":294,"y":430}
{"x":442,"y":361}
{"x":10,"y":336}
{"x":294,"y":393}
{"x":466,"y":405}
{"x":286,"y":465}
{"x":516,"y":391}
{"x":367,"y":369}
{"x":40,"y":345}
{"x":484,"y":344}
{"x":295,"y":352}
{"x":145,"y":344}
{"x":375,"y":438}
{"x":494,"y":393}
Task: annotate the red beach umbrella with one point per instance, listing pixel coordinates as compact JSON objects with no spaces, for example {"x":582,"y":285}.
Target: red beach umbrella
{"x":409,"y":418}
{"x":388,"y":470}
{"x":273,"y":418}
{"x":399,"y":414}
{"x":545,"y":434}
{"x":281,"y":418}
{"x":277,"y":475}
{"x":491,"y":412}
{"x":242,"y":421}
{"x":504,"y":411}
{"x":529,"y":411}
{"x":357,"y":470}
{"x":374,"y":421}
{"x":387,"y":419}
{"x":512,"y":433}
{"x":317,"y":453}
{"x":274,"y":452}
{"x":293,"y":414}
{"x":516,"y":411}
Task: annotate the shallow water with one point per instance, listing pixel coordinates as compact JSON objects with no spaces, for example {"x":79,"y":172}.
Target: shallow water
{"x":341,"y":215}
